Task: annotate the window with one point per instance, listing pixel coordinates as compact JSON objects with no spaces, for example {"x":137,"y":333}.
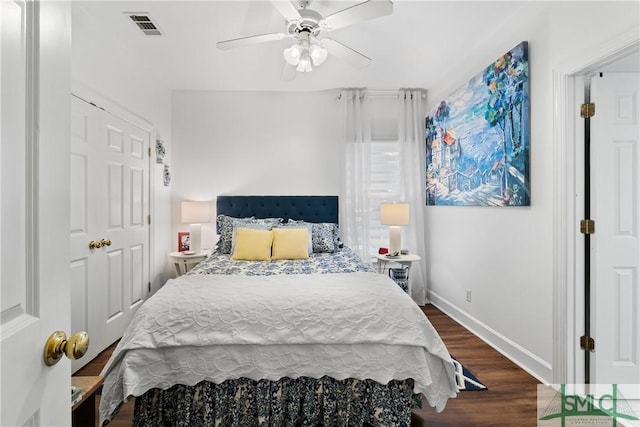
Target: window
{"x":384,"y":160}
{"x":384,"y":185}
{"x":373,"y":172}
{"x":385,"y":182}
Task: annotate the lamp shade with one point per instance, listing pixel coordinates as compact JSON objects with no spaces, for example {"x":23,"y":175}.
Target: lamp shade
{"x":292,"y":54}
{"x":195,"y":212}
{"x":318,"y":54}
{"x":394,"y":214}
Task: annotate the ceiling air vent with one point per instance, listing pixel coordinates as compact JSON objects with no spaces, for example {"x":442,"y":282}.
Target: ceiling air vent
{"x":145,"y":23}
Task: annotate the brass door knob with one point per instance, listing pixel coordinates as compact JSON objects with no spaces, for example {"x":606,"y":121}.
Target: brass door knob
{"x":74,"y":348}
{"x":94,"y":245}
{"x":105,"y":242}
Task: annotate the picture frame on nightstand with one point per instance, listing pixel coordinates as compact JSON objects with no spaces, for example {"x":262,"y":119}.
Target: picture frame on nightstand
{"x":184,"y":241}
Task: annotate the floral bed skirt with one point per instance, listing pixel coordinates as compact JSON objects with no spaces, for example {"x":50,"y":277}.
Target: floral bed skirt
{"x":286,"y":402}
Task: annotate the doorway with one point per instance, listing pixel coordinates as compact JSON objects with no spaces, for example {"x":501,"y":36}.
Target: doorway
{"x":570,"y":82}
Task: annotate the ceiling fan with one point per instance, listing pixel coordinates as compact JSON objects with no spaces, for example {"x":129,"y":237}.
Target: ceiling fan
{"x":306,"y":26}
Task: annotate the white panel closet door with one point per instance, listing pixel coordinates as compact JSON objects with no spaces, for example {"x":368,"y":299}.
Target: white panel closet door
{"x":616,"y":211}
{"x":109,"y":206}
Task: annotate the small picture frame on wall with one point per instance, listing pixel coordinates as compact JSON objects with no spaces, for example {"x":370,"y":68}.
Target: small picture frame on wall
{"x":166,"y":176}
{"x":160,"y":151}
{"x":184,"y":241}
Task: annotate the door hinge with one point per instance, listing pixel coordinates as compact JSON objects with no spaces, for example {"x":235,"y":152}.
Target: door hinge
{"x":587,"y":226}
{"x":148,"y":219}
{"x":149,"y":151}
{"x":149,"y":287}
{"x":587,"y":110}
{"x":587,"y":343}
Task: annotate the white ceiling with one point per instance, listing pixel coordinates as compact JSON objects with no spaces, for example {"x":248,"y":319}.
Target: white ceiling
{"x":422,"y":42}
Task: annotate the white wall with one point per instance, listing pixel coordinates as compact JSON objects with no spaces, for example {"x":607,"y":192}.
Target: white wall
{"x":106,"y":71}
{"x":261,"y":143}
{"x":504,"y":255}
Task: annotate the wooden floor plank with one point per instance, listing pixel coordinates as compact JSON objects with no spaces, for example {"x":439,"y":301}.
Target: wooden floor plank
{"x":509,"y":401}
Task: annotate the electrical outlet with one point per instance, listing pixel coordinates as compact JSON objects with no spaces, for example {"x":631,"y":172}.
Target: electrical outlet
{"x":468,"y":295}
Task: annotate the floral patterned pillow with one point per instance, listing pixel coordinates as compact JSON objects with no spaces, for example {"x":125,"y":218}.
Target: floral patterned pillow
{"x":324,"y":237}
{"x":228,"y":223}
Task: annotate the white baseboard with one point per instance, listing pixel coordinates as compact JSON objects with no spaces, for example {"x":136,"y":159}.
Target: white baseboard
{"x":538,"y":368}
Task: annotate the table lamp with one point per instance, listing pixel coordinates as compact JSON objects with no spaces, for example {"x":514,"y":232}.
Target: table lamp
{"x":195,"y":213}
{"x":394,"y":215}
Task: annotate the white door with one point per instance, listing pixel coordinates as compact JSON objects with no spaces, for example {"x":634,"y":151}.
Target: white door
{"x":109,"y":203}
{"x":34,"y":210}
{"x":615,"y":181}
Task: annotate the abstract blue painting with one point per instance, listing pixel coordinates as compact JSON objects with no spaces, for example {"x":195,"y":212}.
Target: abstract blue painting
{"x":477,"y":139}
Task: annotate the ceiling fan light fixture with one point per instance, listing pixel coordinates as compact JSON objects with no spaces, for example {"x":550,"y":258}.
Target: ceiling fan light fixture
{"x":304,"y":65}
{"x":302,"y":56}
{"x":292,"y":54}
{"x":306,"y":27}
{"x":318,"y":54}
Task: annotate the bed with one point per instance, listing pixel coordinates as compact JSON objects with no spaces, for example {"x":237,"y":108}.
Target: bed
{"x":313,"y":338}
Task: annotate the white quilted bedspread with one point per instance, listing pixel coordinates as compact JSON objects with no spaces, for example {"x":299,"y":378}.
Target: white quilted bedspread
{"x":217,"y":327}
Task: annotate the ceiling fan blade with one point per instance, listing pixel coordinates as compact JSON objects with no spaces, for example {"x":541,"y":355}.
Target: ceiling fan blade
{"x":288,"y":72}
{"x":251,"y":40}
{"x":364,"y":11}
{"x":286,"y":9}
{"x":353,"y":57}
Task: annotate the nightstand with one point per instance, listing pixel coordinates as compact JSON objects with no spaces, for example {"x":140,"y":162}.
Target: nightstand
{"x":84,"y":410}
{"x":404,"y":260}
{"x":183,"y":263}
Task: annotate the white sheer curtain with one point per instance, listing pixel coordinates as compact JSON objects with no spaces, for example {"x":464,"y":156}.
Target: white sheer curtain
{"x":354,"y":200}
{"x":411,"y":135}
{"x":357,"y":208}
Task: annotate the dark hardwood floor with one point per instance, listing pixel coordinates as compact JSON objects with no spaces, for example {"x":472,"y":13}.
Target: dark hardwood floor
{"x":511,"y":396}
{"x":509,"y":401}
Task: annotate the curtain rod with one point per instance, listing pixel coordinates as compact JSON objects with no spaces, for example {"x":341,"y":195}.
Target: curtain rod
{"x":385,"y":92}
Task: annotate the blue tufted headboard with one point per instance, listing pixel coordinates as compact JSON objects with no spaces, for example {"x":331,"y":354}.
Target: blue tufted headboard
{"x":307,"y":208}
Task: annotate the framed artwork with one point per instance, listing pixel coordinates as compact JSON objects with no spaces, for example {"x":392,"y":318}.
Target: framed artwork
{"x":477,"y":139}
{"x":184,"y":241}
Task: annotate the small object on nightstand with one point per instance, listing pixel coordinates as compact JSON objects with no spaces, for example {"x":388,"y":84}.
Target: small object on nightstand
{"x":405,"y":261}
{"x":383,"y":251}
{"x":76,"y":394}
{"x":404,"y":252}
{"x":401,"y":277}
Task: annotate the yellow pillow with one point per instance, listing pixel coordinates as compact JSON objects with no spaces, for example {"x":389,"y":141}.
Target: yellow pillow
{"x":252,"y":245}
{"x":290,"y":243}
